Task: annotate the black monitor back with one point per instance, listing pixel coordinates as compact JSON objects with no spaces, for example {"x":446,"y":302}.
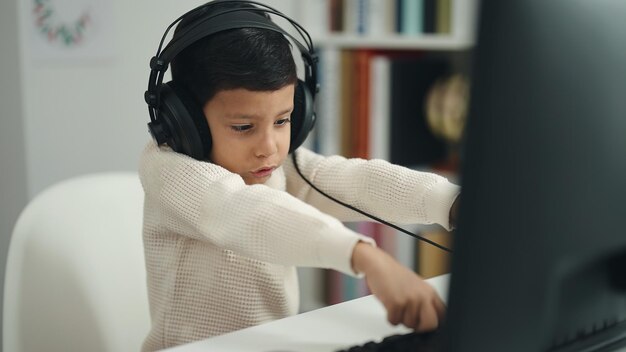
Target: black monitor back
{"x":540,"y":250}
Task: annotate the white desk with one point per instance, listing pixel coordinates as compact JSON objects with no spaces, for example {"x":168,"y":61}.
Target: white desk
{"x":323,"y":330}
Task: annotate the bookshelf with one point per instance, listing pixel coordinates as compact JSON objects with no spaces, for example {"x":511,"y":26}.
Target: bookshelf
{"x":360,"y":53}
{"x":395,"y":42}
{"x":376,"y":24}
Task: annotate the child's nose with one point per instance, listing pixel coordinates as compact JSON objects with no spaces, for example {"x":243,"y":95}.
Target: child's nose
{"x":266,"y":146}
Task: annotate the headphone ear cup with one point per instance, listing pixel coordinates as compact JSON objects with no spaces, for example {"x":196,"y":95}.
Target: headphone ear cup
{"x":188,"y":129}
{"x":303,"y":115}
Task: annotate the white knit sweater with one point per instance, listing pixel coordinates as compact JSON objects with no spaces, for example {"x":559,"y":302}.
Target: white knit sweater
{"x":221,"y":255}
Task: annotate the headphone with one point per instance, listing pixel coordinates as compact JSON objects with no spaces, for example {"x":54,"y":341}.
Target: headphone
{"x":178,"y":121}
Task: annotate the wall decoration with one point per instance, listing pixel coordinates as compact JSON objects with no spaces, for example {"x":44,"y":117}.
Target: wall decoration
{"x":71,"y":29}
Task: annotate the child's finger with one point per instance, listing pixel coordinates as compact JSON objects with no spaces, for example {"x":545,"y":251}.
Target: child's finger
{"x":395,"y":314}
{"x":428,"y":318}
{"x":411,"y":316}
{"x":440,"y":308}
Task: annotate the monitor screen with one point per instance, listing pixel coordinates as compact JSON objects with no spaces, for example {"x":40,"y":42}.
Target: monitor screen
{"x":540,"y":250}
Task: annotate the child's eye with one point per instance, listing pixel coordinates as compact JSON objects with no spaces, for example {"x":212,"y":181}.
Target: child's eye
{"x":282,"y":122}
{"x":241,"y":128}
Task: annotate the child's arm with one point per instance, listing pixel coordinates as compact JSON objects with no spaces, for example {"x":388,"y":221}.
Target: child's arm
{"x":408,"y":299}
{"x":192,"y":200}
{"x":391,"y":192}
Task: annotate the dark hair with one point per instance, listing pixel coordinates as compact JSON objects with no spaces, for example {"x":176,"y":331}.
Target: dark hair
{"x":251,"y":58}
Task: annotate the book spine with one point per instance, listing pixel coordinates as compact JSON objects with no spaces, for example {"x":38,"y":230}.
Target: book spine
{"x":346,"y":86}
{"x":444,"y":17}
{"x":335,"y":15}
{"x":412,"y":13}
{"x":377,"y":18}
{"x":379,"y":108}
{"x":430,"y":16}
{"x":361,"y":98}
{"x":329,"y":103}
{"x":351,"y":16}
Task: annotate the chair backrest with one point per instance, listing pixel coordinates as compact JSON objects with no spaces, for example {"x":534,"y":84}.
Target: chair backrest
{"x":75,"y":275}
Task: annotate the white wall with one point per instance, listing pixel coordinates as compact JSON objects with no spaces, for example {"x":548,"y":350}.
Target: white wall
{"x":13,"y":188}
{"x":90,"y":116}
{"x":61,"y":119}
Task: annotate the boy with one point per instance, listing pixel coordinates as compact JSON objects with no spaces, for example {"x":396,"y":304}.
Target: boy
{"x":223,"y":236}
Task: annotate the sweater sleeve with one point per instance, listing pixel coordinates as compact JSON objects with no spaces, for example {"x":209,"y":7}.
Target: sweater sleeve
{"x":391,"y":192}
{"x":208,"y":203}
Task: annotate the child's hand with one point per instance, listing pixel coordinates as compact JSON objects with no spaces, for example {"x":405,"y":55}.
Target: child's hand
{"x":408,"y":299}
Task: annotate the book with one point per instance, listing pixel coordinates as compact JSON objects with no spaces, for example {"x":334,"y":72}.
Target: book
{"x":443,"y":17}
{"x":341,"y":287}
{"x":346,"y":86}
{"x":430,"y":260}
{"x":360,"y":104}
{"x":430,"y":16}
{"x":377,"y":21}
{"x":379,"y":108}
{"x":351,"y":16}
{"x":329,"y":103}
{"x":335,"y":15}
{"x":362,"y":16}
{"x":412,"y":17}
{"x":391,"y":16}
{"x":405,"y":247}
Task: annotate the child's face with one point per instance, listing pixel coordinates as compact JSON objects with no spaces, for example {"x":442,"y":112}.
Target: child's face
{"x":250,"y":131}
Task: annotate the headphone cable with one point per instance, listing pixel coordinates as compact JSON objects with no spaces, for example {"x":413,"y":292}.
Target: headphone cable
{"x":295,"y":163}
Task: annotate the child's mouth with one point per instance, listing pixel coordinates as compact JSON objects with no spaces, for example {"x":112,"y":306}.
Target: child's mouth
{"x":263,"y":172}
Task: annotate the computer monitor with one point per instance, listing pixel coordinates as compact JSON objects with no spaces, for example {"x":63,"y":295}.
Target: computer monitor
{"x":539,"y":259}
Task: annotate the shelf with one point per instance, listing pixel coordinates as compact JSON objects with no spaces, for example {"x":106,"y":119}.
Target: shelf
{"x":426,"y":42}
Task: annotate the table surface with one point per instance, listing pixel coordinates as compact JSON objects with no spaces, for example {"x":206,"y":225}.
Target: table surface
{"x":326,"y":329}
{"x":322,"y":330}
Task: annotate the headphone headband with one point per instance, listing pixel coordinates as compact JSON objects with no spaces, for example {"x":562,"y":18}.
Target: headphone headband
{"x":230,"y":19}
{"x":245,"y":17}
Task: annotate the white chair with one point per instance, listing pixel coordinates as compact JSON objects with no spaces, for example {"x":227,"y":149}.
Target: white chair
{"x":75,"y":274}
